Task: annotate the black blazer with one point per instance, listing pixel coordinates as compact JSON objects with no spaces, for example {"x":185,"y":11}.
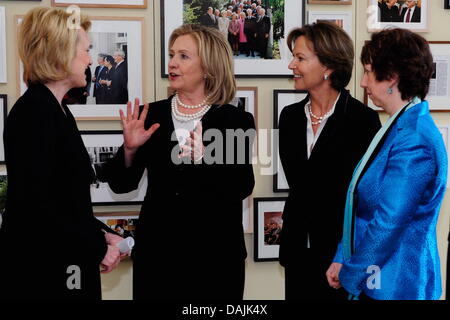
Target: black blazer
{"x":318,"y":185}
{"x":193,"y":209}
{"x":48,"y":204}
{"x":119,"y":84}
{"x":263,"y":25}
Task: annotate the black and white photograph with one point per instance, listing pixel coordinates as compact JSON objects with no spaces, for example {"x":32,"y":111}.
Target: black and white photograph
{"x":408,"y":14}
{"x":137,"y":4}
{"x":268,"y":223}
{"x":281,"y":99}
{"x":102,"y":145}
{"x":3,"y":115}
{"x":255,"y":30}
{"x":115,"y":75}
{"x":3,"y":75}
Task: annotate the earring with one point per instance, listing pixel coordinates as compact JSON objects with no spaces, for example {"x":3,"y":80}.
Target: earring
{"x":390,"y":91}
{"x":205,"y":76}
{"x":325,"y":76}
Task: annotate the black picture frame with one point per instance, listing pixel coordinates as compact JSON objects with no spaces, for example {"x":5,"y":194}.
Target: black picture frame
{"x":278,"y":67}
{"x":101,"y":194}
{"x":446,"y":4}
{"x":4,"y":114}
{"x":266,"y":246}
{"x":279,"y":177}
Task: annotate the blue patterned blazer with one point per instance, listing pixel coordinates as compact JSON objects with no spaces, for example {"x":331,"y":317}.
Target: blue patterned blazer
{"x":396,"y":204}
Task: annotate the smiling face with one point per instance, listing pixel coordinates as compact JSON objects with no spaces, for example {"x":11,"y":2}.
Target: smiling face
{"x":185,"y":67}
{"x":308,"y":71}
{"x":81,"y":61}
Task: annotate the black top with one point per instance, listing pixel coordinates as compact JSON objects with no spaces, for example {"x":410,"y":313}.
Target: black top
{"x":48,"y":224}
{"x":318,"y":185}
{"x":188,"y":204}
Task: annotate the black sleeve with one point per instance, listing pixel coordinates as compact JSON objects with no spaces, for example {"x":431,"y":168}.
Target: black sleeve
{"x":37,"y":189}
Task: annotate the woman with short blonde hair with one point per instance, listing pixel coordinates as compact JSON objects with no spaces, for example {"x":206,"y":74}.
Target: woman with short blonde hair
{"x":52,"y":188}
{"x":198,"y":196}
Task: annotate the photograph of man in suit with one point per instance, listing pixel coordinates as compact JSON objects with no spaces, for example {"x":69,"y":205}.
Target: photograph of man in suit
{"x":209,"y":19}
{"x":97,"y":71}
{"x":263,"y":26}
{"x":119,"y":80}
{"x":410,"y":12}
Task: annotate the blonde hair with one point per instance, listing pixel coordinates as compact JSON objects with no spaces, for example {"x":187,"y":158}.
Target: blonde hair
{"x":47,"y":44}
{"x":216,"y":60}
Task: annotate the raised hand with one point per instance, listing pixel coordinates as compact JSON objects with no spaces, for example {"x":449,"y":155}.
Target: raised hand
{"x":134,"y":132}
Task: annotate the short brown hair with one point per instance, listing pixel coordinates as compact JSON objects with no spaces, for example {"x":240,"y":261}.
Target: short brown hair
{"x":333,"y":47}
{"x":216,"y":59}
{"x":47,"y":45}
{"x":402,"y":53}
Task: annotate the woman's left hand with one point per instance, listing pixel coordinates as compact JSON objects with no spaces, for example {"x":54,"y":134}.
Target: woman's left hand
{"x":194,"y":147}
{"x":333,"y":275}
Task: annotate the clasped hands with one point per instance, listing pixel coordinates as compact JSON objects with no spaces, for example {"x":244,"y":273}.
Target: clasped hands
{"x":113,"y":255}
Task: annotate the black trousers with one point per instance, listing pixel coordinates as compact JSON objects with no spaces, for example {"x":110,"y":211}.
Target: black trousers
{"x":305,"y":279}
{"x":188,"y":280}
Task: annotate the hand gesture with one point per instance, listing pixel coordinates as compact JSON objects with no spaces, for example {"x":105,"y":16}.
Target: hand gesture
{"x":111,"y":260}
{"x":194,"y":147}
{"x":333,"y":275}
{"x":134,"y":133}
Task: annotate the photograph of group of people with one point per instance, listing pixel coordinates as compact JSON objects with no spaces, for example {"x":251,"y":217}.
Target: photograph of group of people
{"x":107,"y":77}
{"x":408,"y":11}
{"x":252,"y":27}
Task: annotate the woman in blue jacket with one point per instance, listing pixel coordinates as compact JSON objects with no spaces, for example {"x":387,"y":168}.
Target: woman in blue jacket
{"x":389,"y":246}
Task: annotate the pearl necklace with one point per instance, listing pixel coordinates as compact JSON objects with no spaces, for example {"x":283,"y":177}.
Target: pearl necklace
{"x":320,"y":119}
{"x":183,"y":117}
{"x":201,"y":104}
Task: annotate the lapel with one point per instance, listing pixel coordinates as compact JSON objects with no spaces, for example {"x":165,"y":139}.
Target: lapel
{"x":333,"y":127}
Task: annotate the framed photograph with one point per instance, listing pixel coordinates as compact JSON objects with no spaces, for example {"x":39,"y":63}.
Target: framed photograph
{"x":446,"y":4}
{"x":124,"y":223}
{"x":117,"y":56}
{"x":408,"y":14}
{"x":347,"y":2}
{"x":102,"y":145}
{"x":3,"y":115}
{"x":3,"y":76}
{"x":439,"y":92}
{"x":445,"y":132}
{"x":342,"y":19}
{"x":102,"y":3}
{"x":281,"y":99}
{"x":268,"y":223}
{"x":271,"y":54}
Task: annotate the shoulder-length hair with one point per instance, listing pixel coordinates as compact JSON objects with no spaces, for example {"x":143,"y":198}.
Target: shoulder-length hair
{"x":402,"y":53}
{"x":216,"y":60}
{"x":47,"y":43}
{"x":333,"y":47}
